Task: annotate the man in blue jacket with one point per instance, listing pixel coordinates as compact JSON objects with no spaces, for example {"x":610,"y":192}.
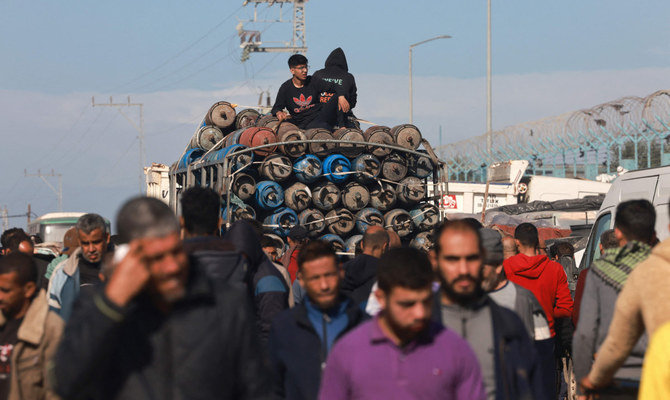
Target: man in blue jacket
{"x":506,"y":355}
{"x":301,"y":338}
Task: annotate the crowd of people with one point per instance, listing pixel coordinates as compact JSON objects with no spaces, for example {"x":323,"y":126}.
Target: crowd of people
{"x":181,"y":307}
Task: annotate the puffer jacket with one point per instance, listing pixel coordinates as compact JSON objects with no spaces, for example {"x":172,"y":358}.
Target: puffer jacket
{"x":205,"y":347}
{"x":38,"y":338}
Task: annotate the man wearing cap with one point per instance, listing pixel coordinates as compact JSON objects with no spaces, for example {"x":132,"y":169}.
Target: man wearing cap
{"x":510,"y":365}
{"x":296,"y":238}
{"x":518,"y":299}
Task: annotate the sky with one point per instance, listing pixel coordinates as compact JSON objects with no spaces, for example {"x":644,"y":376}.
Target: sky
{"x":177,"y":58}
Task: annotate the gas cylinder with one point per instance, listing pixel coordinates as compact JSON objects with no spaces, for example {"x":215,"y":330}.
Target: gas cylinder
{"x":237,"y":213}
{"x":221,"y":115}
{"x":394,"y":167}
{"x":307,"y":168}
{"x":206,"y":137}
{"x":423,"y":241}
{"x":244,"y":186}
{"x":407,"y":136}
{"x":334,"y":240}
{"x":336,"y":168}
{"x":379,"y":135}
{"x":355,"y":197}
{"x":351,"y":244}
{"x":420,"y":166}
{"x":325,"y":196}
{"x":298,"y":196}
{"x":190,"y":156}
{"x":410,"y":190}
{"x":350,"y":134}
{"x":320,"y":149}
{"x":246,"y":118}
{"x":400,"y":221}
{"x":367,"y":168}
{"x":287,"y":132}
{"x":383,"y":197}
{"x":269,"y":195}
{"x":425,"y":217}
{"x":281,"y":221}
{"x":275,"y":167}
{"x":368,"y":217}
{"x":340,"y":221}
{"x":313,"y":220}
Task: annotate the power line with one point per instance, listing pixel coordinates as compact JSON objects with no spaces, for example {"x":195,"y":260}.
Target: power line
{"x":173,"y":72}
{"x":179,"y":53}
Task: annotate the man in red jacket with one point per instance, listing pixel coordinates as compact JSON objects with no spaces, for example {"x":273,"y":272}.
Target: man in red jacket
{"x":537,"y":273}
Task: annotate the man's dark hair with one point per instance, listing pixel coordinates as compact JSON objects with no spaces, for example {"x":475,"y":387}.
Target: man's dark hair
{"x":267,"y":241}
{"x":143,"y":217}
{"x":461,"y":225}
{"x":6,"y":235}
{"x":474,"y":222}
{"x":608,"y":239}
{"x":636,"y":220}
{"x":527,"y":234}
{"x":22,"y":264}
{"x":404,"y":267}
{"x":314,"y":250}
{"x":563,"y":248}
{"x":14,"y":240}
{"x":375,"y":238}
{"x":87,"y":223}
{"x":200,"y":208}
{"x":297,"y":59}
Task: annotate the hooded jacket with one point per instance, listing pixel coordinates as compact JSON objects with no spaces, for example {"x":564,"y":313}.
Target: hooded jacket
{"x":546,"y":279}
{"x":266,"y":285}
{"x":359,"y":276}
{"x":337,"y":72}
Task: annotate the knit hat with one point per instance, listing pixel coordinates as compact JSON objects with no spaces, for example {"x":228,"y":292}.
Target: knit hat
{"x":298,"y":233}
{"x":492,"y":243}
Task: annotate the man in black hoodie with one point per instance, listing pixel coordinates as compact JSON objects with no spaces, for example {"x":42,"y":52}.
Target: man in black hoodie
{"x":336,"y":71}
{"x":300,"y":95}
{"x":267,"y":286}
{"x":360,"y":273}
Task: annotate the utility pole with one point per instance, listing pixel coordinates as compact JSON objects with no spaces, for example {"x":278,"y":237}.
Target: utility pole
{"x":28,"y":214}
{"x":489,"y":124}
{"x":139,"y":129}
{"x":5,"y":219}
{"x":59,"y":192}
{"x":250,"y":40}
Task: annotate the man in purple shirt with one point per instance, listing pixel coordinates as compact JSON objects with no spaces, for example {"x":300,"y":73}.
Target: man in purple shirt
{"x":401,"y":354}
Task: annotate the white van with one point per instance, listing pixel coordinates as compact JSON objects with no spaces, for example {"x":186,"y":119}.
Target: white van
{"x":650,"y":184}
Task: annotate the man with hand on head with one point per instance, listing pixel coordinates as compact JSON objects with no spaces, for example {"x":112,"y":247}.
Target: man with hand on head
{"x":159,"y":328}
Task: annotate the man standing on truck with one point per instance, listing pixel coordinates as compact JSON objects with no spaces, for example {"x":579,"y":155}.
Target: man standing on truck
{"x":336,"y":71}
{"x":300,"y":95}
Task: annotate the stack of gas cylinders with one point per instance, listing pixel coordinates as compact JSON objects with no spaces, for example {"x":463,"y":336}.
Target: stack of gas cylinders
{"x":336,"y":189}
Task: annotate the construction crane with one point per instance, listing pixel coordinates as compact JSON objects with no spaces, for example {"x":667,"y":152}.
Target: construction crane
{"x":250,"y":40}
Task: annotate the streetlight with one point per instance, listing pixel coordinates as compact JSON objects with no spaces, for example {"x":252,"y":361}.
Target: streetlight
{"x":411,"y":119}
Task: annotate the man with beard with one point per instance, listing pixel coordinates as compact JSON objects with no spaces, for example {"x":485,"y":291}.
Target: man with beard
{"x":159,"y":328}
{"x":509,"y":363}
{"x":82,"y":268}
{"x":401,"y":354}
